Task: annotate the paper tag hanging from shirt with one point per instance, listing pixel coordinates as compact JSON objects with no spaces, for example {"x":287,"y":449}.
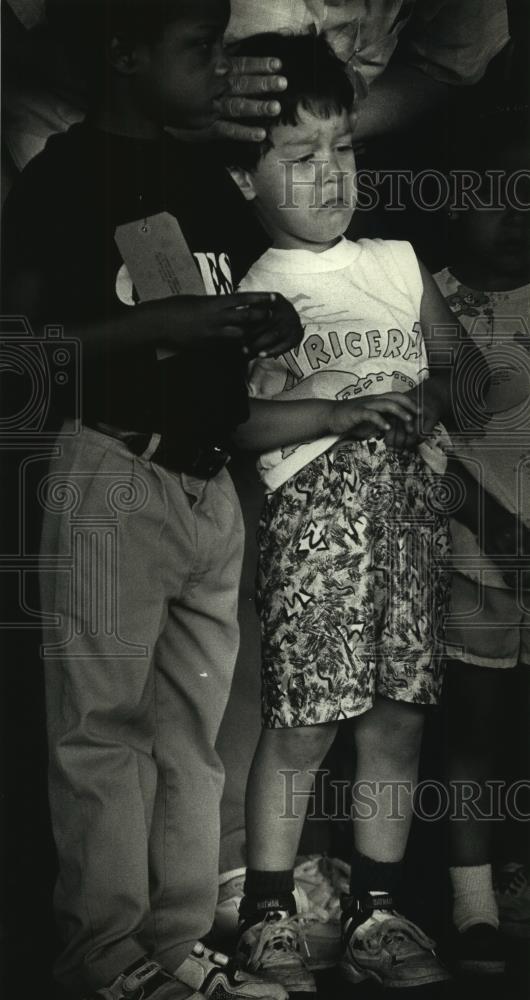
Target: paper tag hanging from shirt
{"x":158,"y":260}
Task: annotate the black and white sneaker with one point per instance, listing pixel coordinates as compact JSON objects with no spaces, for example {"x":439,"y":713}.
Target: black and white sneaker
{"x":217,"y":977}
{"x":380,"y":944}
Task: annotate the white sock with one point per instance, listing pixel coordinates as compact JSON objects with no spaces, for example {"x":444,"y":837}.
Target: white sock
{"x":473,"y":897}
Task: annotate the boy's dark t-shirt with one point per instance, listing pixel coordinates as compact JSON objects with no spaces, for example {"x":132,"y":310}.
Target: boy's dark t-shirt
{"x":61,"y":217}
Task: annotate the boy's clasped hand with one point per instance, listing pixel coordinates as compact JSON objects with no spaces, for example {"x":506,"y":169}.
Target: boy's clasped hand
{"x":401,"y":419}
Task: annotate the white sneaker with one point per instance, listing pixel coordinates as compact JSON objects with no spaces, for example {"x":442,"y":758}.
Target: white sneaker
{"x":146,"y":980}
{"x":217,"y":977}
{"x":275,"y":949}
{"x":388,"y":948}
{"x":319,"y":883}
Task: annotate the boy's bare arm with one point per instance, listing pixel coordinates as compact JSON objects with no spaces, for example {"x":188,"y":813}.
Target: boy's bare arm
{"x":274,"y":423}
{"x":260,"y":322}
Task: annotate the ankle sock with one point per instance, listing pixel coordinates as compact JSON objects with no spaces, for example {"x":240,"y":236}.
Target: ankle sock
{"x":265,"y":891}
{"x":473,"y":896}
{"x":368,"y":875}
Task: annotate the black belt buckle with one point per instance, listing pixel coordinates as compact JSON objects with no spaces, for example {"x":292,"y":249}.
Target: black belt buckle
{"x":207,"y":462}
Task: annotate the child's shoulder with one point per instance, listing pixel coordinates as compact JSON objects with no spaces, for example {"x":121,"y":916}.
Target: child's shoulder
{"x":383,"y":248}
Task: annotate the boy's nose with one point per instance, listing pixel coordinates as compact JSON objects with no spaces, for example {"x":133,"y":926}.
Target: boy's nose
{"x":332,"y":167}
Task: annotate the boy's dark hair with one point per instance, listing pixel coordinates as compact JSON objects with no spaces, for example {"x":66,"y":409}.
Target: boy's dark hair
{"x":86,"y":28}
{"x":317,"y":81}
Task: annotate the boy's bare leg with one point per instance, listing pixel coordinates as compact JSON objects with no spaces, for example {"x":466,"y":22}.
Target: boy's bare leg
{"x":274,"y":825}
{"x":388,"y":741}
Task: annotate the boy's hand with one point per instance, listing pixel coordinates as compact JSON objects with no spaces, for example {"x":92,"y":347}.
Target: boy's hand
{"x":371,"y":416}
{"x":252,"y":83}
{"x":429,"y":408}
{"x":262,"y":323}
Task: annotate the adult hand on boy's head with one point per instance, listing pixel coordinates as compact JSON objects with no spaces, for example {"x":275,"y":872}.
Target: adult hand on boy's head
{"x":252,"y":84}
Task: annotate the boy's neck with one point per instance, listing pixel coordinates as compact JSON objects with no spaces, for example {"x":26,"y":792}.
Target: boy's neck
{"x":284,"y":241}
{"x":121,"y":117}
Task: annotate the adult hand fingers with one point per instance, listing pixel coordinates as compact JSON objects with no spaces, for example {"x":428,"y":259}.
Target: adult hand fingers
{"x":243,"y":107}
{"x":255,"y":65}
{"x":246,"y":83}
{"x":226,"y":129}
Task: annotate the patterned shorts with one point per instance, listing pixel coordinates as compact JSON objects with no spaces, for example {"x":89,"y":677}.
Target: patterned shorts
{"x":353,"y":585}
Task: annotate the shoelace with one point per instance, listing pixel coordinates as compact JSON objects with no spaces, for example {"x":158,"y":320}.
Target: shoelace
{"x":278,"y":941}
{"x":393,"y":933}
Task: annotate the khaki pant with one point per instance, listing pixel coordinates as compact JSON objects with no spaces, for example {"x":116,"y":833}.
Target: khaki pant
{"x":139,"y":578}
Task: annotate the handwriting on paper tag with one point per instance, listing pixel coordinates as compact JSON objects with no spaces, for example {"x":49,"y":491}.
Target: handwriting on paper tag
{"x":158,"y":260}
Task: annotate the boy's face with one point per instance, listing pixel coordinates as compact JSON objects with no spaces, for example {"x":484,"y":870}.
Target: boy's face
{"x":304,"y":187}
{"x":180,"y":76}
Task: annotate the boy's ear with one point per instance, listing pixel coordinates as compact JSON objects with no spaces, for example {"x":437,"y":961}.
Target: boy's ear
{"x":244,"y":182}
{"x":123,"y":56}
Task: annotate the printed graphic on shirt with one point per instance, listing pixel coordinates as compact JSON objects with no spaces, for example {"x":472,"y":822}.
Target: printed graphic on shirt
{"x":342,"y":363}
{"x":323,"y":347}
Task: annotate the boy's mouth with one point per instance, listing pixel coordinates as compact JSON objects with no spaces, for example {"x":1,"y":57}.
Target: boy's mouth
{"x":336,"y":202}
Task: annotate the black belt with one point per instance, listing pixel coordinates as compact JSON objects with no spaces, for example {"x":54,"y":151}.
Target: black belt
{"x":200,"y":460}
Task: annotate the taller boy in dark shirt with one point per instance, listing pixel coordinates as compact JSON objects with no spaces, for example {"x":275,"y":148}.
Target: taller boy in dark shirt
{"x":142,"y":533}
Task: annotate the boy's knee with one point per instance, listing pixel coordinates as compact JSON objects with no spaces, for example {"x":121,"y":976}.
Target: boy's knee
{"x":396,"y":733}
{"x":304,"y":746}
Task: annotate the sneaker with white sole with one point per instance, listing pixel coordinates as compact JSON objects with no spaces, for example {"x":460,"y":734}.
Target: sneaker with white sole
{"x":513,"y":899}
{"x":380,"y":944}
{"x":275,"y":949}
{"x":319,"y":884}
{"x":145,"y":980}
{"x":218,"y":977}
